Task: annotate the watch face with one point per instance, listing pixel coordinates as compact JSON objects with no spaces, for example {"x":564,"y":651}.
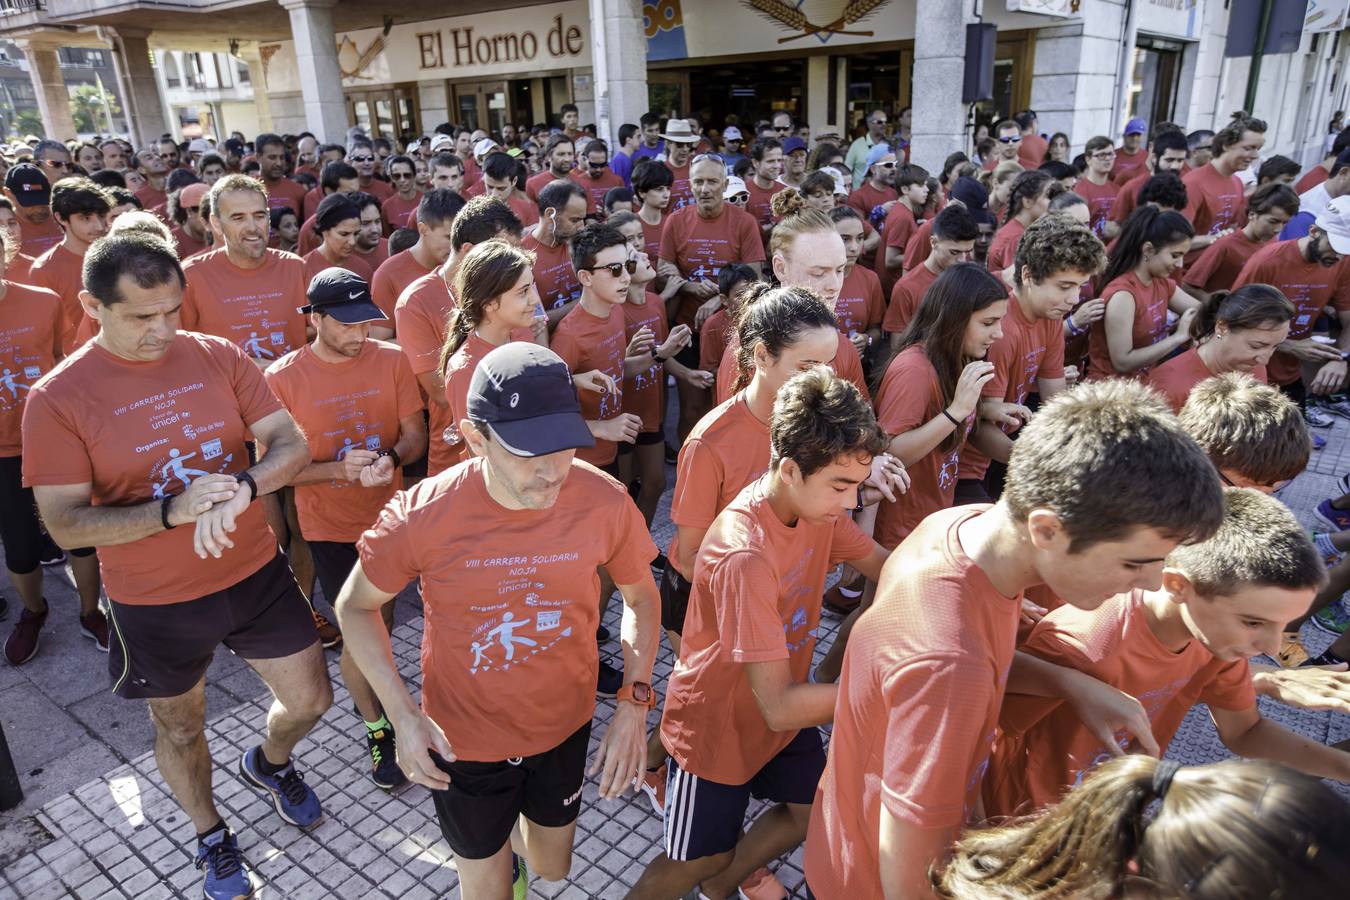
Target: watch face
{"x":642,"y":692}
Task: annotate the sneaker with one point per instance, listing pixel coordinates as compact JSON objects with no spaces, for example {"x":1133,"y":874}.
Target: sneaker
{"x":659,"y":564}
{"x":1326,"y":659}
{"x":94,"y":626}
{"x":1334,"y":619}
{"x":1318,"y":442}
{"x":52,"y":555}
{"x":1317,"y":417}
{"x":654,"y":786}
{"x":23,"y":640}
{"x":608,"y":681}
{"x":520,"y":879}
{"x":294,"y":800}
{"x":1331,"y":557}
{"x":227,"y":874}
{"x":1337,"y":406}
{"x":1337,"y":519}
{"x":1292,"y":652}
{"x":329,"y":635}
{"x":837,"y":602}
{"x":384,"y":770}
{"x":762,"y":885}
{"x":672,"y":454}
{"x":1343,"y":483}
{"x":601,"y":634}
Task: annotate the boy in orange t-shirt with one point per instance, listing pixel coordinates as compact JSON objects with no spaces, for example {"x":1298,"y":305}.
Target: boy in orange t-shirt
{"x":741,"y":713}
{"x":1222,"y":601}
{"x":1087,"y":509}
{"x":507,"y":547}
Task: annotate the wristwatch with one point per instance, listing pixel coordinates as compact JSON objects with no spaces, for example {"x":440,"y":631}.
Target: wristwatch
{"x":393,"y":454}
{"x":639,"y":692}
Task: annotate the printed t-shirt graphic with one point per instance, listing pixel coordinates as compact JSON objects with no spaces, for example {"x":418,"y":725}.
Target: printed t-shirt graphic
{"x":31,"y":320}
{"x":257,"y":309}
{"x":553,"y":273}
{"x":700,"y":247}
{"x":586,"y":342}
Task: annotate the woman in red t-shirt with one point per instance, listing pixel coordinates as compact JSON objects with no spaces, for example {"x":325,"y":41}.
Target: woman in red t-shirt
{"x":928,"y":398}
{"x":337,"y":223}
{"x":1029,"y":200}
{"x":1138,"y":292}
{"x":1234,"y":332}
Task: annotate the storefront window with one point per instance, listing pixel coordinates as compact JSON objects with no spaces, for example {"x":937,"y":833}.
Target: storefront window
{"x":1155,"y":81}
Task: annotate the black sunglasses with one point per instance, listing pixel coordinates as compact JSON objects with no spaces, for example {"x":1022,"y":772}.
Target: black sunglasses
{"x":615,"y":269}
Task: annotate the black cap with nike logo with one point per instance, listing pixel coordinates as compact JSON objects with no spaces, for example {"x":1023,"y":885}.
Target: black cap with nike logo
{"x":343,"y":295}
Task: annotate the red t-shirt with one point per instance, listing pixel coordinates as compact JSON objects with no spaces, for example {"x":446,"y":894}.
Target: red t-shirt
{"x":420,"y":321}
{"x":458,"y":376}
{"x":392,"y":278}
{"x":374,"y":258}
{"x":511,"y":600}
{"x":651,"y":238}
{"x":355,"y":404}
{"x":1219,"y":264}
{"x":712,"y":340}
{"x":61,"y":271}
{"x":258,"y":309}
{"x":1311,"y":179}
{"x":846,"y":364}
{"x":1028,"y":351}
{"x":20,"y":268}
{"x":526,"y":212}
{"x":1043,"y":749}
{"x":919,"y":698}
{"x":1214,"y":202}
{"x":899,"y":227}
{"x":1101,"y":199}
{"x":311,"y":205}
{"x":755,"y":598}
{"x":154,"y":199}
{"x":681,"y":194}
{"x":536,"y":183}
{"x":282,"y":192}
{"x":1128,"y":165}
{"x":553,"y":273}
{"x":1309,"y":286}
{"x":380,"y":190}
{"x":585,"y":342}
{"x":908,"y":397}
{"x":700,"y":247}
{"x":1175,"y":378}
{"x":861,"y":305}
{"x":920,"y":246}
{"x":643,"y":393}
{"x":140,"y":431}
{"x":866,"y":198}
{"x":1004,"y":246}
{"x":1150,"y":323}
{"x":760,"y":204}
{"x":1128,"y":198}
{"x":316,"y":262}
{"x":396,"y":211}
{"x":596,"y":188}
{"x":35,"y":240}
{"x":1031,"y":154}
{"x":906,"y":297}
{"x":31,"y":321}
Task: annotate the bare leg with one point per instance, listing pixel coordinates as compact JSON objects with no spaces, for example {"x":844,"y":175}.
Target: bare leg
{"x":774,"y":833}
{"x":297,"y":549}
{"x":651,"y":461}
{"x":29,"y":586}
{"x":828,"y":670}
{"x":486,"y":879}
{"x":367,"y":703}
{"x":182,"y":755}
{"x":87,"y":580}
{"x":694,"y":403}
{"x":665,"y":878}
{"x":547,"y":853}
{"x":302,"y":694}
{"x":1338,"y":582}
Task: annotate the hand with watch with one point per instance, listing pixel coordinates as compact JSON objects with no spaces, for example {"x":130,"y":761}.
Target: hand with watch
{"x":381,"y":472}
{"x":621,"y":760}
{"x":640,"y":693}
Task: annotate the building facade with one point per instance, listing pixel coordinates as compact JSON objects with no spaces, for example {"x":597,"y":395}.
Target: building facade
{"x":1086,"y":66}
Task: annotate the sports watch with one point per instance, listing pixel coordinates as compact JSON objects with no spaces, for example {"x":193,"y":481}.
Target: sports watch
{"x":639,"y":692}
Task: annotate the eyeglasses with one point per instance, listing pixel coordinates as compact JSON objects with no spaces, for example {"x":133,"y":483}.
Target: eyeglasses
{"x":1105,"y":154}
{"x":361,"y":158}
{"x":615,"y":269}
{"x":782,"y":129}
{"x":54,"y":163}
{"x":886,"y":165}
{"x":401,"y":176}
{"x":1014,"y":139}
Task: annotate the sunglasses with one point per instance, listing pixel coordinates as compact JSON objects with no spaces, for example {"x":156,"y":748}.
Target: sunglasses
{"x":1105,"y":154}
{"x":401,"y":176}
{"x":702,"y":156}
{"x":615,"y":269}
{"x":783,"y":129}
{"x":740,"y":198}
{"x":1010,"y":140}
{"x":361,"y":158}
{"x":54,"y":163}
{"x":887,"y":165}
{"x":597,"y":165}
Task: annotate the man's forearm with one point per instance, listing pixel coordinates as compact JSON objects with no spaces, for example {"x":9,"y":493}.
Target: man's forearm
{"x":368,"y":642}
{"x":317,"y":472}
{"x":640,"y":631}
{"x":411,"y":444}
{"x":284,"y":460}
{"x":104,"y":526}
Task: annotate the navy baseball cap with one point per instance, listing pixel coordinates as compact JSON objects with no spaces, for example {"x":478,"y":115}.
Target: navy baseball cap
{"x":793,"y":144}
{"x":1136,"y":126}
{"x":525,"y":394}
{"x":343,"y":295}
{"x":29,"y":185}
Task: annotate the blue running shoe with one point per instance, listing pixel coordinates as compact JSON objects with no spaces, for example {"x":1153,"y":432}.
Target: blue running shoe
{"x":227,"y":875}
{"x":1318,"y":442}
{"x":294,"y":800}
{"x":1338,"y":519}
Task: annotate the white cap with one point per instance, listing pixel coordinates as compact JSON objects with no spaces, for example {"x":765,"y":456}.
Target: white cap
{"x":199,"y":145}
{"x":732,"y":133}
{"x":484,"y":147}
{"x":1335,"y":221}
{"x":838,"y":177}
{"x":735,"y":185}
{"x":442,"y":140}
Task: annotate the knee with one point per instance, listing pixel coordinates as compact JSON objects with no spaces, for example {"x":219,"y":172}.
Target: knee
{"x":179,"y":731}
{"x":552,"y":867}
{"x":317,"y":701}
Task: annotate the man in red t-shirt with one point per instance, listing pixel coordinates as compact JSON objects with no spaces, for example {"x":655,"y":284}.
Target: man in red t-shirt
{"x":596,"y":178}
{"x":1131,"y":157}
{"x":398,"y":208}
{"x":81,"y":208}
{"x":361,"y":155}
{"x":30,"y":192}
{"x":154,"y":195}
{"x":1031,"y":153}
{"x":1167,"y":154}
{"x":562,"y":214}
{"x":766,"y":166}
{"x":559,"y":155}
{"x":143,"y":432}
{"x":1096,"y":186}
{"x":874,"y":197}
{"x":270,"y":152}
{"x":1215,"y":197}
{"x":502,"y":733}
{"x":1088,"y":509}
{"x":435,"y":214}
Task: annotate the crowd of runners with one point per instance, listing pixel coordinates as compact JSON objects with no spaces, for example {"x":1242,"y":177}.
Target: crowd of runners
{"x":1033,"y":411}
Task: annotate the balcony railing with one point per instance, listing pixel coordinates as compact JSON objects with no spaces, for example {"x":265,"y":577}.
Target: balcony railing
{"x":16,"y":7}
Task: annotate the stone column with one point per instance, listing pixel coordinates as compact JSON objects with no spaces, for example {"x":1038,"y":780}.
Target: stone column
{"x":44,"y":69}
{"x":619,"y":64}
{"x":1073,"y":87}
{"x":143,"y":103}
{"x":317,"y":62}
{"x":939,"y":71}
{"x":257,"y":82}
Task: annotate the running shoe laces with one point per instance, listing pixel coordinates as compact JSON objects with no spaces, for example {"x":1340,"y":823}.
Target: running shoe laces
{"x":223,"y":857}
{"x":292,"y":785}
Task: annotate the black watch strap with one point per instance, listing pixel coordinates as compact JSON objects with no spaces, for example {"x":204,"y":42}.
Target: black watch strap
{"x":392,"y":454}
{"x":245,"y":478}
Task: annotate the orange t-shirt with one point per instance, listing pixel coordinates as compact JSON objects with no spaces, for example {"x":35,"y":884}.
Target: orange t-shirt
{"x":899,"y":227}
{"x":536,"y":183}
{"x":1311,"y":179}
{"x":1027,"y":351}
{"x":755,"y":598}
{"x":712,"y":340}
{"x":61,"y":271}
{"x":1214,"y":202}
{"x":585,"y":342}
{"x":643,"y":393}
{"x":316,"y":262}
{"x":700,"y":247}
{"x":760,"y":204}
{"x":910,"y":396}
{"x":1128,"y":165}
{"x":1219,"y":264}
{"x":1043,"y":749}
{"x":866,"y":198}
{"x":35,"y":240}
{"x":380,"y":190}
{"x":846,"y":364}
{"x":311,"y":205}
{"x":525,"y":210}
{"x":920,"y":246}
{"x":511,"y":600}
{"x":1309,"y":286}
{"x":140,"y":431}
{"x":153,"y":200}
{"x":1004,"y":246}
{"x":1150,"y":323}
{"x":860,"y":305}
{"x":20,"y":269}
{"x":285,"y":193}
{"x":397,"y":211}
{"x":1031,"y":153}
{"x":258,"y":309}
{"x":651,"y":238}
{"x":680,"y":193}
{"x":919,"y":698}
{"x":420,"y":320}
{"x":392,"y":278}
{"x":309,"y":239}
{"x":458,"y":376}
{"x":31,"y":320}
{"x":1175,"y":378}
{"x":352,"y":405}
{"x":187,"y":244}
{"x":906,"y":297}
{"x":553,"y":273}
{"x":1101,"y":200}
{"x":596,"y":188}
{"x":374,"y":258}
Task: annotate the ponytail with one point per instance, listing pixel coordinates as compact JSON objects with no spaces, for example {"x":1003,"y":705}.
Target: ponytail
{"x":1250,"y":306}
{"x":1146,"y":225}
{"x":774,"y":317}
{"x":1027,"y":187}
{"x":795,"y":218}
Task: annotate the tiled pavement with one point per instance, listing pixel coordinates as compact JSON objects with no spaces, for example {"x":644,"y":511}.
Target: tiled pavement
{"x":120,"y":834}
